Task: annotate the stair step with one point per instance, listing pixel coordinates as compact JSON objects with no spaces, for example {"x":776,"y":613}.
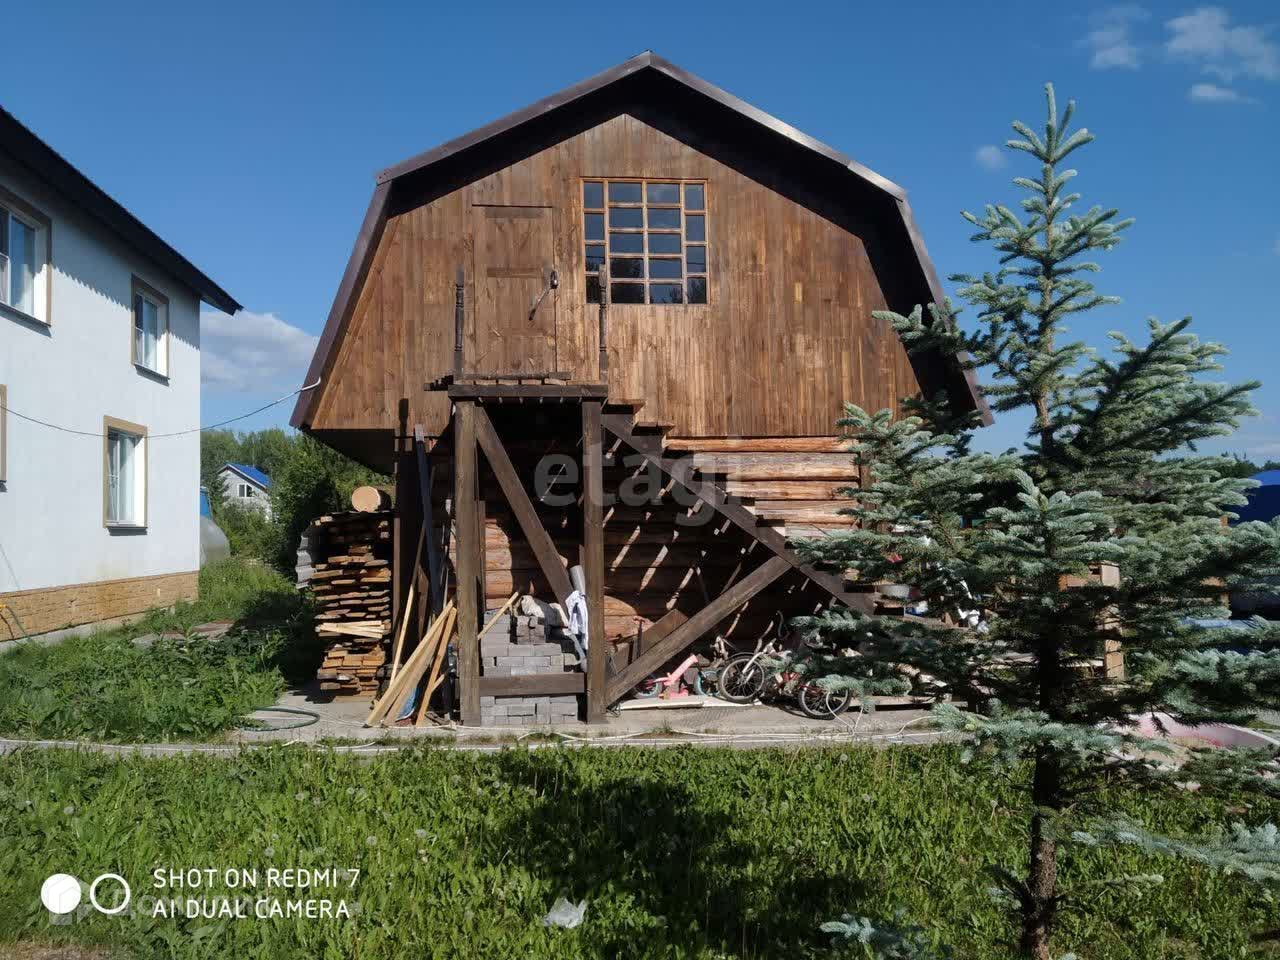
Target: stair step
{"x":622,"y":405}
{"x":655,"y":426}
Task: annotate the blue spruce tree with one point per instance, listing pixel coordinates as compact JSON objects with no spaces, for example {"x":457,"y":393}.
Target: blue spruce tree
{"x":1100,"y":538}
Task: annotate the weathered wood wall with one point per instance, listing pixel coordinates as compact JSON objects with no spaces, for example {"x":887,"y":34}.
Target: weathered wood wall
{"x":786,"y":337}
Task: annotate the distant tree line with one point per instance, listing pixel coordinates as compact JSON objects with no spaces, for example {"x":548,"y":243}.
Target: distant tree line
{"x":307,"y":479}
{"x":1239,"y":466}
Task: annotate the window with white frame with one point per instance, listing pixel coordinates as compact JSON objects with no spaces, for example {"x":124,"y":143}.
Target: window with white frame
{"x":244,"y":491}
{"x":4,"y":417}
{"x":125,"y":474}
{"x":150,"y":328}
{"x":24,"y":245}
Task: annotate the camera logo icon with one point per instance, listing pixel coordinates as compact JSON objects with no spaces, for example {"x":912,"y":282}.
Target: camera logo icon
{"x":62,"y":893}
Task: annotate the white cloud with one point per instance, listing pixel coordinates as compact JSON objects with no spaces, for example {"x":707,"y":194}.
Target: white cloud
{"x":1212,"y":93}
{"x":1111,"y":38}
{"x":1206,"y":37}
{"x":989,"y":157}
{"x":255,"y":352}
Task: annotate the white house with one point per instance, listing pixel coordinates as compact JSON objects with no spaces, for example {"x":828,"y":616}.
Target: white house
{"x":99,"y":399}
{"x":247,"y":486}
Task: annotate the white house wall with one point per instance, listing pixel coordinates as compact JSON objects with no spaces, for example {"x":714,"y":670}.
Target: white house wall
{"x":72,"y":374}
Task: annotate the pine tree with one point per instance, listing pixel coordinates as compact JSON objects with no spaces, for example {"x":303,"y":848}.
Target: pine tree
{"x":1008,"y":549}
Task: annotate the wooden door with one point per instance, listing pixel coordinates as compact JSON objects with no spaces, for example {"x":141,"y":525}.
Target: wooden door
{"x":513,"y":257}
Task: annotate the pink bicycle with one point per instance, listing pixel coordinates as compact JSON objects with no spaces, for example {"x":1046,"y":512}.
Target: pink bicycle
{"x":685,"y":680}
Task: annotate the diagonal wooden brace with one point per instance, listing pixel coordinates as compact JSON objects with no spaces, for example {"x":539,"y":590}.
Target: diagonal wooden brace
{"x":539,"y":540}
{"x":697,"y":625}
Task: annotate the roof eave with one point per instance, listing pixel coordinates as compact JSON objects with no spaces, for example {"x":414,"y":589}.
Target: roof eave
{"x":46,"y":164}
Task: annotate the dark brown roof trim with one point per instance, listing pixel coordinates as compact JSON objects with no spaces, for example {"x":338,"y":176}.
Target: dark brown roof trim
{"x":939,"y":295}
{"x":344,"y":301}
{"x":375,"y":219}
{"x":48,"y":165}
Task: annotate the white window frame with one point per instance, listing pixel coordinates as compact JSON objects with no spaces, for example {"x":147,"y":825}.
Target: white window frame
{"x":14,"y":208}
{"x":244,"y":491}
{"x":113,"y":518}
{"x":4,"y":431}
{"x":142,"y":292}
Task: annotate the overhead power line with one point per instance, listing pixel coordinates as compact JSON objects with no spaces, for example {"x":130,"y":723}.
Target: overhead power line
{"x":156,"y":436}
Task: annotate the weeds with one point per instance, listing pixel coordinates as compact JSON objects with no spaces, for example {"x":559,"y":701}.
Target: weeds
{"x":692,"y":853}
{"x":179,"y":687}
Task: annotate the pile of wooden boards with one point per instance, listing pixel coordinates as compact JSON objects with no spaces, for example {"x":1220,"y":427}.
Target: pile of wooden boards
{"x":351,"y":580}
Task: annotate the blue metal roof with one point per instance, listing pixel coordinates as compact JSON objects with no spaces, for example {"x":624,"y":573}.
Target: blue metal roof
{"x":1264,"y":501}
{"x":251,"y":473}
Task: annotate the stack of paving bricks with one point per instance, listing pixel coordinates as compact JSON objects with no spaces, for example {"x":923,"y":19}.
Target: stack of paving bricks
{"x":521,"y":645}
{"x":350,"y":575}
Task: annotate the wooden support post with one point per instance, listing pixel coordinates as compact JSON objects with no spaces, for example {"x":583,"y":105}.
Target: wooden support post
{"x":467,"y":561}
{"x":698,"y":624}
{"x":425,"y":477}
{"x":592,"y":556}
{"x":399,"y":576}
{"x":1112,"y":651}
{"x":521,"y":506}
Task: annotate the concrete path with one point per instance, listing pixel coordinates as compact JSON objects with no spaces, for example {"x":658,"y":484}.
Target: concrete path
{"x":341,"y":729}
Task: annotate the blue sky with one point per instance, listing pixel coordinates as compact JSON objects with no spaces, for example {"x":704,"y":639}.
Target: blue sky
{"x":248,"y":134}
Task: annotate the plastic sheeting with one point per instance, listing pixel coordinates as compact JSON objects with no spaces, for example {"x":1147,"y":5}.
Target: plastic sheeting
{"x":213,"y":542}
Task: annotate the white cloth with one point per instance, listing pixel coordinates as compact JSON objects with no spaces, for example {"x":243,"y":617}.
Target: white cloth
{"x":577,"y":607}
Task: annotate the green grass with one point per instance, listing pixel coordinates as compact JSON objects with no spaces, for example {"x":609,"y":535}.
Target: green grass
{"x":103,"y":687}
{"x":696,"y":853}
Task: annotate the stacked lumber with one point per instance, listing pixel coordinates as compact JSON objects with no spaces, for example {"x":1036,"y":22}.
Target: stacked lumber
{"x":351,"y":580}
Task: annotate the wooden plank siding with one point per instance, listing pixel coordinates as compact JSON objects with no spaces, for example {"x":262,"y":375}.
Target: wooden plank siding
{"x":786,"y":337}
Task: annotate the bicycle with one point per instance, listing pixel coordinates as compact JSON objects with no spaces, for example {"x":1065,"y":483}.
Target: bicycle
{"x":768,"y":674}
{"x":692,"y":675}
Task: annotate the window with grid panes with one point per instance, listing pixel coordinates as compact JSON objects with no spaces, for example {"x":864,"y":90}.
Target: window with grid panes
{"x":652,"y":234}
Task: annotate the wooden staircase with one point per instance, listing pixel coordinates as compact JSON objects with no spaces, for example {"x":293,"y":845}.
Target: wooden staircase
{"x":771,"y":489}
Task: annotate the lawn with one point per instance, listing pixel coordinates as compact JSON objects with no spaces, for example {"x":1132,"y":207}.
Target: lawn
{"x":104,"y":687}
{"x":695,"y":853}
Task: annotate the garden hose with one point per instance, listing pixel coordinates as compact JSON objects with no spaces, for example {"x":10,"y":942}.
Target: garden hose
{"x":309,"y":718}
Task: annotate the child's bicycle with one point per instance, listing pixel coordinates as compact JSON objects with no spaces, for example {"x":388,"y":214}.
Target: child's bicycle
{"x":694,"y":675}
{"x":768,"y":674}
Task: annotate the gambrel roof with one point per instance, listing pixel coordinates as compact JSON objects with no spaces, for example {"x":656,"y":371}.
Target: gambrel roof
{"x":648,"y":79}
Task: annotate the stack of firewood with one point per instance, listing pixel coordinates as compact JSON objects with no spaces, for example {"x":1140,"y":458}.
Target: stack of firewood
{"x":351,"y":579}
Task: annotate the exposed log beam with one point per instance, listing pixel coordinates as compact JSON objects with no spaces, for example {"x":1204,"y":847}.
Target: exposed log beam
{"x":536,"y":685}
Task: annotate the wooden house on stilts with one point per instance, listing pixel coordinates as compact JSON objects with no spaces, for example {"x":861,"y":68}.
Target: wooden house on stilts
{"x":616,"y":329}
